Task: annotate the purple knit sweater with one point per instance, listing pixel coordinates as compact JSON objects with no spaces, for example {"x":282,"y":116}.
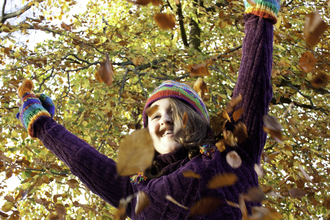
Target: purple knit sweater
{"x":98,"y":171}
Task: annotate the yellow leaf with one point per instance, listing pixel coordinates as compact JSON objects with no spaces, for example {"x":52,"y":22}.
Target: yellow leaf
{"x":190,"y":173}
{"x":136,"y":153}
{"x":238,"y":114}
{"x":221,"y":180}
{"x":7,"y":206}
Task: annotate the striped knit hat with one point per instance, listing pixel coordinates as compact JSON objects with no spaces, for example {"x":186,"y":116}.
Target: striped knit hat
{"x":173,"y":89}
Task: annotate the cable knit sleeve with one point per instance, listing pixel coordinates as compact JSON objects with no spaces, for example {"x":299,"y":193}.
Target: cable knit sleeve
{"x":95,"y":170}
{"x":253,"y":82}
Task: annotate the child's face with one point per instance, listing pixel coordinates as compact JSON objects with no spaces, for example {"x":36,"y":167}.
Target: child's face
{"x":161,"y":127}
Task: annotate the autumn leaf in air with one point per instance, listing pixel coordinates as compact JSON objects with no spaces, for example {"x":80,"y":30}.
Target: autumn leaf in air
{"x":307,"y":62}
{"x":198,"y":70}
{"x":136,"y":153}
{"x":314,"y":28}
{"x":190,"y":174}
{"x":141,"y":2}
{"x":156,"y":2}
{"x":237,"y":114}
{"x":206,"y":205}
{"x":233,"y":159}
{"x":165,"y":20}
{"x":240,"y":132}
{"x":321,"y":79}
{"x":200,"y":87}
{"x":106,"y":71}
{"x":233,"y":102}
{"x":142,"y":202}
{"x":221,"y":180}
{"x":66,"y":27}
{"x":273,"y":128}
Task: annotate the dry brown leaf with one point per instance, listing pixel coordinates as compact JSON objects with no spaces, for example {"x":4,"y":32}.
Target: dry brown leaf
{"x":121,"y":210}
{"x":9,"y":199}
{"x":221,"y":180}
{"x":233,"y":102}
{"x":326,"y":203}
{"x":136,"y":153}
{"x":229,"y":137}
{"x":164,"y":20}
{"x":200,"y":87}
{"x":106,"y":71}
{"x":98,"y":77}
{"x":184,"y":119}
{"x":307,"y":62}
{"x":303,"y":172}
{"x":221,"y":14}
{"x":243,"y":208}
{"x":72,"y":183}
{"x":255,"y":194}
{"x":233,"y":159}
{"x":274,"y":214}
{"x":198,"y":70}
{"x":141,"y":2}
{"x":259,"y":170}
{"x":273,"y":128}
{"x":314,"y":28}
{"x":221,"y":145}
{"x":168,"y":197}
{"x":222,"y":24}
{"x":237,"y":114}
{"x":138,"y":60}
{"x":218,"y":122}
{"x":240,"y":132}
{"x":260,"y":213}
{"x":151,"y":110}
{"x":66,"y":27}
{"x":190,"y":174}
{"x":157,"y":2}
{"x":321,"y":79}
{"x":60,"y":209}
{"x":232,"y":204}
{"x":297,"y":193}
{"x":123,"y":43}
{"x":206,"y":205}
{"x":142,"y":202}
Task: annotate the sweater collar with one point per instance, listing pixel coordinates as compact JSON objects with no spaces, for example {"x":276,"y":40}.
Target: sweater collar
{"x":176,"y":155}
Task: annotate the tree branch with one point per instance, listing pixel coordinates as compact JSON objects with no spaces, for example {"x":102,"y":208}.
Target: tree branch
{"x":182,"y":29}
{"x":26,"y":7}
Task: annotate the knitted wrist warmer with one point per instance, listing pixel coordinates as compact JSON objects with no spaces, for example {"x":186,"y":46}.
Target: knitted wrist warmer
{"x":31,"y":108}
{"x":47,"y":103}
{"x":264,"y":8}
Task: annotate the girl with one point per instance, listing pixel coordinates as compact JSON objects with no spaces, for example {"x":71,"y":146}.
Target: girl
{"x":176,"y":153}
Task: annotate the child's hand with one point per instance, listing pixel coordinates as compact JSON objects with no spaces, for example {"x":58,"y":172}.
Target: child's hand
{"x":31,"y":108}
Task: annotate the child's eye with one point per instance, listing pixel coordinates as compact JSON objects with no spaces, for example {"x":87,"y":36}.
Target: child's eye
{"x":155,"y":117}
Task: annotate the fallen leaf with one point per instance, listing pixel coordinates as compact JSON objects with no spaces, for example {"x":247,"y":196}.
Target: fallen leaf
{"x":164,"y":20}
{"x":156,"y":2}
{"x":274,"y":214}
{"x":221,"y":145}
{"x":273,"y":128}
{"x":206,"y":205}
{"x":303,"y":172}
{"x":200,"y":87}
{"x":229,"y":137}
{"x":98,"y":77}
{"x":136,"y":153}
{"x":321,"y":79}
{"x":142,"y":202}
{"x":233,"y":159}
{"x":314,"y":28}
{"x":237,"y":114}
{"x":218,"y":121}
{"x":121,"y":210}
{"x":151,"y":110}
{"x":232,"y":204}
{"x":297,"y":193}
{"x":242,"y":207}
{"x":66,"y":27}
{"x":198,"y":70}
{"x":307,"y":62}
{"x":106,"y":71}
{"x":240,"y":132}
{"x":259,"y":170}
{"x":184,"y":119}
{"x":255,"y":194}
{"x":190,"y":174}
{"x":260,"y":213}
{"x":72,"y":183}
{"x":168,"y":197}
{"x":221,"y":180}
{"x":233,"y":102}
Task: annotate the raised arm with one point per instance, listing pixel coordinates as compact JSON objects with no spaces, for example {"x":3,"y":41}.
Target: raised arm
{"x":95,"y":170}
{"x":253,"y":82}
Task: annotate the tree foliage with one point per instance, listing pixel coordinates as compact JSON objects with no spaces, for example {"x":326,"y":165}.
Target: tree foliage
{"x":132,"y":46}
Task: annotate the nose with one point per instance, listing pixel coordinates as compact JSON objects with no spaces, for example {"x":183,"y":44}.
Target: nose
{"x":166,"y":119}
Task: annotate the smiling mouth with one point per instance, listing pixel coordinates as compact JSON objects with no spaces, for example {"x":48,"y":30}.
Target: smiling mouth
{"x":167,"y":133}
